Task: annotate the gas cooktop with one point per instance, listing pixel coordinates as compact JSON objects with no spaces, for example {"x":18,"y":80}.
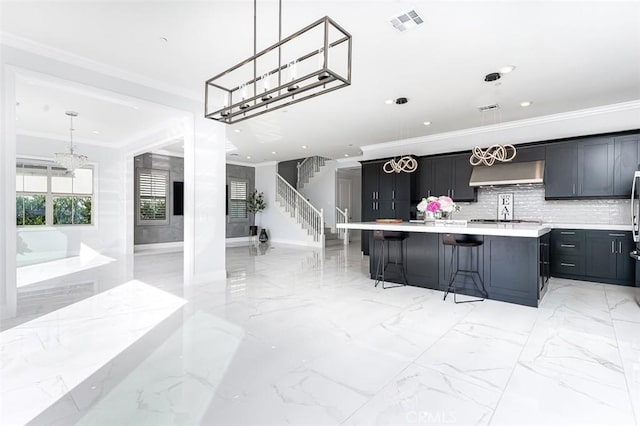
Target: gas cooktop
{"x":505,"y":221}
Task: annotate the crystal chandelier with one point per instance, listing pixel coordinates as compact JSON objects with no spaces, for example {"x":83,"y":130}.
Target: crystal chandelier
{"x":310,"y":62}
{"x":70,"y":160}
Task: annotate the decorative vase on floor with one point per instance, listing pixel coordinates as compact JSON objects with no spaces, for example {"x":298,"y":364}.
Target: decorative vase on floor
{"x":263,"y":238}
{"x":253,"y":230}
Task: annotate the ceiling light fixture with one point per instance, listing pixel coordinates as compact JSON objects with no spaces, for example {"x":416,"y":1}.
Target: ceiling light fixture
{"x":346,"y":155}
{"x":70,"y":160}
{"x":388,"y":101}
{"x":304,"y":147}
{"x":525,"y":104}
{"x":506,"y":69}
{"x":427,"y":123}
{"x":273,"y":152}
{"x":95,"y":132}
{"x":267,"y":81}
{"x":406,"y":164}
{"x":248,"y":157}
{"x":237,"y":130}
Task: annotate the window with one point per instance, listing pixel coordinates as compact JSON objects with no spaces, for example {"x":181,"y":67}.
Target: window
{"x":153,"y":187}
{"x":238,"y":199}
{"x":50,"y":195}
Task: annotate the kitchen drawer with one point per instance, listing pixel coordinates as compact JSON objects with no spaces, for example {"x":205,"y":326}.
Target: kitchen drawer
{"x":567,"y":242}
{"x":567,"y":265}
{"x":609,"y":234}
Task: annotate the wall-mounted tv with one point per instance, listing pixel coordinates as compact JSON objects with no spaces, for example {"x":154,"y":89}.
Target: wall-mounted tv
{"x":178,"y":198}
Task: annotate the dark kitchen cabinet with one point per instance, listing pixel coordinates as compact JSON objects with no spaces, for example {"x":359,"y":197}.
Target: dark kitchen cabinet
{"x":607,"y":256}
{"x":595,"y":167}
{"x":529,"y":153}
{"x":451,"y":177}
{"x":384,"y":195}
{"x":421,"y":259}
{"x":625,"y":162}
{"x":561,"y":170}
{"x":424,"y":179}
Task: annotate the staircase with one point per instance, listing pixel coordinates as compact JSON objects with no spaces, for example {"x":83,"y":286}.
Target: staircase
{"x":309,"y":167}
{"x":301,"y":210}
{"x":331,"y":238}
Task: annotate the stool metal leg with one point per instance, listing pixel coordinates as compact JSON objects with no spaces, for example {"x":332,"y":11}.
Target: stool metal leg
{"x":401,"y":265}
{"x":380,"y":267}
{"x":471,"y":273}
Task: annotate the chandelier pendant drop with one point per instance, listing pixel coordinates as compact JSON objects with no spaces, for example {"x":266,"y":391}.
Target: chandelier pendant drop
{"x":70,"y":160}
{"x":310,"y":62}
{"x":405,"y":164}
{"x":501,"y":153}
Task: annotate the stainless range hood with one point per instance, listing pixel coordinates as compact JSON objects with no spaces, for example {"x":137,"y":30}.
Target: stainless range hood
{"x":528,"y":172}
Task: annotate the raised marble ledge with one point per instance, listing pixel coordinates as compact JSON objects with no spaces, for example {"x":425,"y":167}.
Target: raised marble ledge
{"x":526,"y":230}
{"x":592,"y":226}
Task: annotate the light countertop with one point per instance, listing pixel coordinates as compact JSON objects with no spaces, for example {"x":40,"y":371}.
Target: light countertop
{"x":593,"y":226}
{"x":527,"y":230}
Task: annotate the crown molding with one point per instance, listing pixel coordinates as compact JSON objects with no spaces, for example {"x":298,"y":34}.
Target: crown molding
{"x":51,"y":52}
{"x":266,"y":163}
{"x":536,"y":121}
{"x":240,"y":163}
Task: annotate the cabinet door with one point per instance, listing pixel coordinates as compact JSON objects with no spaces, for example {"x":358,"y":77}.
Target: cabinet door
{"x":402,"y":186}
{"x":626,"y":265}
{"x":595,"y":167}
{"x":625,"y":161}
{"x":601,"y":256}
{"x":442,"y":176}
{"x":529,"y":153}
{"x":386,"y":209}
{"x":561,"y":170}
{"x":386,"y":184}
{"x":462,"y":169}
{"x":421,"y":259}
{"x":370,"y":173}
{"x":424,"y":186}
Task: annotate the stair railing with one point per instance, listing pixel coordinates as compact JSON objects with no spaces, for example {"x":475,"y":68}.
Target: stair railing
{"x":294,"y":203}
{"x":308,"y":167}
{"x":343,"y":217}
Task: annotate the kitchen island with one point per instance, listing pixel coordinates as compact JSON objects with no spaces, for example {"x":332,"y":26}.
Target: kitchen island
{"x":513,"y":259}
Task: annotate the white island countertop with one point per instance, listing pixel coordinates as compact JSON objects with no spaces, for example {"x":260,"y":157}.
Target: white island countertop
{"x":527,"y":230}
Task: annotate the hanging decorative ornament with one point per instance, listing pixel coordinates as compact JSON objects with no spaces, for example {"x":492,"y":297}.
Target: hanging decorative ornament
{"x":501,"y":153}
{"x":405,"y":164}
{"x":70,"y":160}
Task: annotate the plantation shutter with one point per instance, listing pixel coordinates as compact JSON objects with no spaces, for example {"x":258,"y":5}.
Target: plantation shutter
{"x":238,"y":198}
{"x":152,"y":195}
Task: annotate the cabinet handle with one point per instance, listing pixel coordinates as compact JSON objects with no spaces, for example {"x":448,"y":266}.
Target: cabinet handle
{"x":568,"y":245}
{"x":453,"y":192}
{"x":567,"y":233}
{"x":393,"y":205}
{"x":620,"y":247}
{"x":429,"y":193}
{"x":580,"y":190}
{"x":373,"y":205}
{"x":574,"y":188}
{"x":613,"y":246}
{"x":616,"y":235}
{"x":393,"y":194}
{"x":571,"y":265}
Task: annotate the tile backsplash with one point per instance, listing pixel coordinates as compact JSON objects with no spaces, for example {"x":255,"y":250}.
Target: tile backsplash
{"x":529,"y":203}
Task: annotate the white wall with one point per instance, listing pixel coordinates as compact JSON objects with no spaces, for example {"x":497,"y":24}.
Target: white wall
{"x":106,"y":234}
{"x":280,"y":227}
{"x":321,"y":192}
{"x":204,"y":162}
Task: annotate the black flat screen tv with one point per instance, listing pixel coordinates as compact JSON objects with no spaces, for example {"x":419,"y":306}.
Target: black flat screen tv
{"x":178,"y":198}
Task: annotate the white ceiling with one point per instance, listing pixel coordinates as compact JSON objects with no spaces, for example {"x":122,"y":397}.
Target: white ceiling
{"x":569,"y":55}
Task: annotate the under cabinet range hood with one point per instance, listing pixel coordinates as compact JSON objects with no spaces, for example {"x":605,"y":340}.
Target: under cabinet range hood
{"x":528,"y":172}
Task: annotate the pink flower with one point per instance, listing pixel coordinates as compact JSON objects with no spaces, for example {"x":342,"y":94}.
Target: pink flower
{"x":433,"y":206}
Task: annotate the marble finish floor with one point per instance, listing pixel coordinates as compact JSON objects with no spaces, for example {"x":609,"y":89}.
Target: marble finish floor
{"x":300,"y":336}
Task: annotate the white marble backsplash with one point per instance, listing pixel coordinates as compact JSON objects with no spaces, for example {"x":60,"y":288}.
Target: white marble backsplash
{"x":529,"y":203}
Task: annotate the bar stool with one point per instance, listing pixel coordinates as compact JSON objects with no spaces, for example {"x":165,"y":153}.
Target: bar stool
{"x":383,"y":239}
{"x":450,"y":240}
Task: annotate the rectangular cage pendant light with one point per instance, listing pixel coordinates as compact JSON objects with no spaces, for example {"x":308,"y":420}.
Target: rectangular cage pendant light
{"x":308,"y":63}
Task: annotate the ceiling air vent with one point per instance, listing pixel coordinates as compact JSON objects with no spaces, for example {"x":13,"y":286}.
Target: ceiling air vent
{"x":406,"y":21}
{"x":491,"y":107}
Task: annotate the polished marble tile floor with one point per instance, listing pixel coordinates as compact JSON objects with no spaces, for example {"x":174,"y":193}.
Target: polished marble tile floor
{"x":298,"y":336}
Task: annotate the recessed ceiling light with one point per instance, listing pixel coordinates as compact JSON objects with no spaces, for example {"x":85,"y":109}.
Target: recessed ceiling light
{"x":525,"y":103}
{"x":427,"y":123}
{"x":388,"y":101}
{"x":95,"y":132}
{"x":273,"y":152}
{"x":237,"y":130}
{"x":304,"y":147}
{"x":506,"y":69}
{"x":346,"y":155}
{"x":248,"y":157}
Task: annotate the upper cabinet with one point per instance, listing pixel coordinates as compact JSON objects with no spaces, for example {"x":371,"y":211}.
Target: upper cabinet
{"x":448,"y":176}
{"x":385,"y":195}
{"x":625,"y":161}
{"x":588,"y":168}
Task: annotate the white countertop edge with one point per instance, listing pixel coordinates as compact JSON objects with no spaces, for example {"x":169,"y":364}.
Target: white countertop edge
{"x":500,"y":230}
{"x":593,"y":226}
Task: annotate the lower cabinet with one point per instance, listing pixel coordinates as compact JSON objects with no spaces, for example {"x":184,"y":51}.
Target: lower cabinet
{"x":600,"y":256}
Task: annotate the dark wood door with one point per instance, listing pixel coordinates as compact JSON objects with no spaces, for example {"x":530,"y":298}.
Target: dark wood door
{"x":625,"y":161}
{"x":442,"y":176}
{"x":424,"y":186}
{"x":561,"y":170}
{"x":462,"y":169}
{"x":601,"y":256}
{"x":595,"y":167}
{"x":626,"y":265}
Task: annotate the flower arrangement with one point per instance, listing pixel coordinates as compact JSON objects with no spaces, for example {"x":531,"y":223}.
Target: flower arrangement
{"x":437,"y":206}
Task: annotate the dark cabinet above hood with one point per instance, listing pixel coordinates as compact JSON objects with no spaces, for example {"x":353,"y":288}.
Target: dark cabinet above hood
{"x":529,"y":172}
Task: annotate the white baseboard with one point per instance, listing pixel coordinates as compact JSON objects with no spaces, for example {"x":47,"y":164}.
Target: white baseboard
{"x":168,"y":247}
{"x":278,"y":241}
{"x":240,"y":241}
